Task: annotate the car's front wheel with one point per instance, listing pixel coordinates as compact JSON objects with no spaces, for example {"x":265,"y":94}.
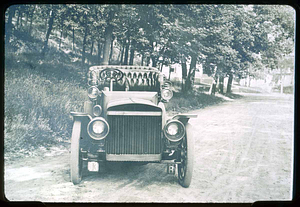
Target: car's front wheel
{"x":76,"y":161}
{"x":185,"y":169}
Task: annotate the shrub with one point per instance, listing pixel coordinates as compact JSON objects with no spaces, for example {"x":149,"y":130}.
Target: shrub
{"x":288,"y":89}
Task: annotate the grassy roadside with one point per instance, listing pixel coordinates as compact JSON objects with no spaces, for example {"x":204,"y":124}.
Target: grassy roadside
{"x":38,"y":99}
{"x":184,"y":102}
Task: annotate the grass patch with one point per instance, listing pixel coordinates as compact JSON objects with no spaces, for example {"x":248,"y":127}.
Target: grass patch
{"x":233,"y":96}
{"x":184,"y":102}
{"x":38,"y":100}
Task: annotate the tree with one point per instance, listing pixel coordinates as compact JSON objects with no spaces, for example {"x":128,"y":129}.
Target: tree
{"x":227,"y":40}
{"x":50,"y":26}
{"x":9,"y":24}
{"x":108,"y":40}
{"x":110,"y":14}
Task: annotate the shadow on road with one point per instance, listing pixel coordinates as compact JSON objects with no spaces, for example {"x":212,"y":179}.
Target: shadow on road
{"x":233,"y":96}
{"x":139,"y":175}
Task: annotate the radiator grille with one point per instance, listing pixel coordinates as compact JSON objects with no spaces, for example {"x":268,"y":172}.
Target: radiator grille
{"x":134,"y":135}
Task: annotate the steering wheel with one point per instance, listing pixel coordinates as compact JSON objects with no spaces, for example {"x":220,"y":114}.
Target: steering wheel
{"x":111,"y":74}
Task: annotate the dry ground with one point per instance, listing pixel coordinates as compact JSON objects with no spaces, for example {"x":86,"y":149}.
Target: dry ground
{"x":243,"y":153}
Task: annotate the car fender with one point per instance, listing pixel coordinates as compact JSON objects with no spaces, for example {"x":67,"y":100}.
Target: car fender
{"x":184,"y":118}
{"x":84,"y":119}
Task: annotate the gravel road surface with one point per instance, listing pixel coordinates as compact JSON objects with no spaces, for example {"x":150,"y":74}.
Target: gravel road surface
{"x":243,"y":153}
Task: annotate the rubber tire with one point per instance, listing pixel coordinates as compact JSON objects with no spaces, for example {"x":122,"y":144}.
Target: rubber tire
{"x":76,"y":162}
{"x":188,"y":140}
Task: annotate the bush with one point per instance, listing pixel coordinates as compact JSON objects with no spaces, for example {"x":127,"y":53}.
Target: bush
{"x":288,"y":89}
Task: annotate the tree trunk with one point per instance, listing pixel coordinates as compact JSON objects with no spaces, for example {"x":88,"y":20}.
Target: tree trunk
{"x":111,"y":49}
{"x":92,"y":48}
{"x":184,"y":73}
{"x":249,"y":81}
{"x":229,"y":84}
{"x":66,"y":33}
{"x":51,"y":20}
{"x":30,"y":25}
{"x":148,"y":61}
{"x":61,"y":31}
{"x":131,"y":57}
{"x":188,"y":83}
{"x":21,"y":19}
{"x":221,"y":84}
{"x":31,"y":20}
{"x":248,"y":78}
{"x":142,"y":60}
{"x":131,"y":52}
{"x":281,"y":81}
{"x":281,"y":84}
{"x":154,"y":62}
{"x":108,"y":37}
{"x":27,"y":18}
{"x":122,"y":52}
{"x":73,"y":38}
{"x":84,"y":44}
{"x":61,"y":36}
{"x":99,"y":51}
{"x":18,"y":19}
{"x":126,"y":52}
{"x":91,"y":52}
{"x":213,"y":86}
{"x":46,"y":23}
{"x":9,"y":24}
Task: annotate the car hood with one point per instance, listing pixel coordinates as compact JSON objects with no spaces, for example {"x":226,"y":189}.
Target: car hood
{"x":126,"y":101}
{"x":130,"y":99}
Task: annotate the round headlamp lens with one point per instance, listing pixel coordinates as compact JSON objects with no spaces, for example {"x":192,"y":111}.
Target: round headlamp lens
{"x":97,"y":110}
{"x":93,"y":92}
{"x":166,"y":94}
{"x":172,"y":129}
{"x":98,"y":127}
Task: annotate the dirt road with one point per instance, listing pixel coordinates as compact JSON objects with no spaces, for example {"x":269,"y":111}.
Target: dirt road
{"x":243,"y":153}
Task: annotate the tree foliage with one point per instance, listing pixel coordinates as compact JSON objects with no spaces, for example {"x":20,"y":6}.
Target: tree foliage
{"x":226,"y":39}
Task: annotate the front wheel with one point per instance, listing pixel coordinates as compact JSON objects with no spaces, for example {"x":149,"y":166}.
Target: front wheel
{"x":185,"y":169}
{"x":76,"y":161}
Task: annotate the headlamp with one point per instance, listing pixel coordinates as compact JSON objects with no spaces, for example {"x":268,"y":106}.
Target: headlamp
{"x":166,"y":94}
{"x":98,"y":128}
{"x":174,"y":130}
{"x":97,"y":110}
{"x":93,"y":92}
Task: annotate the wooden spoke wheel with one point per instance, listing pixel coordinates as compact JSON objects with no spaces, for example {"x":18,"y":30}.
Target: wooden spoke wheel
{"x":185,"y":169}
{"x":76,"y":158}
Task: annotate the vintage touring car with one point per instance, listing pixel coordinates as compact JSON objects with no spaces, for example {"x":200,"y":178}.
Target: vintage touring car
{"x":125,"y":120}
